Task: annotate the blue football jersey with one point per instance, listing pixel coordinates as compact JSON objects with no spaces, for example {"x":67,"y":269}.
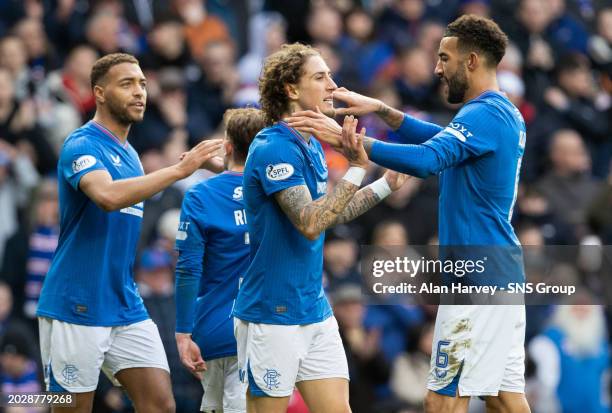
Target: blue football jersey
{"x":481,"y":151}
{"x":213,"y":246}
{"x":283,"y":284}
{"x":91,"y":280}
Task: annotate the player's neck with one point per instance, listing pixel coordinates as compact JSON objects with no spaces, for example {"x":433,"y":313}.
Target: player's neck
{"x":480,"y":84}
{"x":235,"y":167}
{"x":118,"y":129}
{"x":295,"y":108}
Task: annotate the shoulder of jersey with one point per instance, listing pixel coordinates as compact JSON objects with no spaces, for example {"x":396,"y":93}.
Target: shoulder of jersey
{"x":270,"y":137}
{"x":80,"y":136}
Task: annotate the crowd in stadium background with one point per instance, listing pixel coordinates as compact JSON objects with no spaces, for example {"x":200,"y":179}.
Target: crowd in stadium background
{"x":202,"y":57}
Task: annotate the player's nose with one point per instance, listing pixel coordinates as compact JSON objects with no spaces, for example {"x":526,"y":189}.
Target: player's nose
{"x":331,"y":85}
{"x":438,"y":70}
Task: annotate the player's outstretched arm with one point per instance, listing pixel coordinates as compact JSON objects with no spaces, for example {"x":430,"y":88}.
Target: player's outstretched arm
{"x":371,"y":195}
{"x":360,"y":105}
{"x":415,"y":160}
{"x":112,"y":195}
{"x":313,"y":217}
{"x":409,"y":129}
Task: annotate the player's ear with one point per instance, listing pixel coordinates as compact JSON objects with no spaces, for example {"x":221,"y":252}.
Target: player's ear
{"x":292,"y":91}
{"x":98,"y":92}
{"x":228,"y":148}
{"x":473,"y":61}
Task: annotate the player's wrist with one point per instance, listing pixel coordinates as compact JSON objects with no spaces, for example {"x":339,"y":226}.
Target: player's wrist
{"x":178,"y":172}
{"x":355,"y":174}
{"x":381,"y":188}
{"x":381,"y":107}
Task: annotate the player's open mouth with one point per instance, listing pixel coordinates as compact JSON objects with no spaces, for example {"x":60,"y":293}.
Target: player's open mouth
{"x":138,"y":105}
{"x":329,"y":101}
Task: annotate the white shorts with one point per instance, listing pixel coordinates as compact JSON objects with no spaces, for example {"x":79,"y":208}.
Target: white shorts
{"x":272,"y":357}
{"x":73,"y":354}
{"x":223,"y":389}
{"x":478,"y":350}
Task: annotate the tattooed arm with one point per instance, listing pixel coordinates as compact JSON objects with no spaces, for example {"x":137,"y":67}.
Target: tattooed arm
{"x":363,"y":200}
{"x":390,"y":116}
{"x":371,"y":195}
{"x":313,"y":217}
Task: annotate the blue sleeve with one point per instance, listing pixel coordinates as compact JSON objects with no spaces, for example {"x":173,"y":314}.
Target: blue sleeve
{"x":415,"y":160}
{"x":472,"y":133}
{"x":465,"y":137}
{"x":415,"y":131}
{"x":79,"y":157}
{"x":190,"y":244}
{"x":280,"y":167}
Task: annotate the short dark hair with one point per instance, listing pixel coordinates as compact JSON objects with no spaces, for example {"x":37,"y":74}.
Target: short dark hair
{"x":281,"y":68}
{"x":241,"y":126}
{"x":480,"y":34}
{"x":104,"y":64}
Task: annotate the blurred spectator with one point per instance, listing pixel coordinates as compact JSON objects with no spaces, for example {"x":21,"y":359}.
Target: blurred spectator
{"x":293,"y":12}
{"x":600,"y":44}
{"x":386,"y":92}
{"x":41,"y":54}
{"x":375,"y":62}
{"x":391,"y":315}
{"x":201,"y":28}
{"x":18,"y":367}
{"x":166,"y":230}
{"x":536,"y":46}
{"x":568,"y":187}
{"x":167,"y":46}
{"x":154,"y":207}
{"x":600,"y":218}
{"x":416,"y":84}
{"x":390,"y":233}
{"x":214,"y":91}
{"x":42,"y":243}
{"x":414,"y":205}
{"x":72,"y":85}
{"x":411,"y":368}
{"x":429,"y":38}
{"x":155,"y":277}
{"x":167,"y":118}
{"x":13,"y":57}
{"x":65,"y":100}
{"x":145,"y":14}
{"x":367,"y":365}
{"x":324,"y":25}
{"x":267,"y":35}
{"x":103,"y":32}
{"x":572,"y":360}
{"x":17,"y":179}
{"x":65,"y":22}
{"x":340,"y":258}
{"x":6,"y":307}
{"x":576,"y":104}
{"x":18,"y":126}
{"x":566,"y":31}
{"x":400,"y":23}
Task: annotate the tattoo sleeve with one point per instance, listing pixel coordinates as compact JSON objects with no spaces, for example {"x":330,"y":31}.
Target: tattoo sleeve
{"x":363,"y":200}
{"x":312,"y":217}
{"x":390,"y":116}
